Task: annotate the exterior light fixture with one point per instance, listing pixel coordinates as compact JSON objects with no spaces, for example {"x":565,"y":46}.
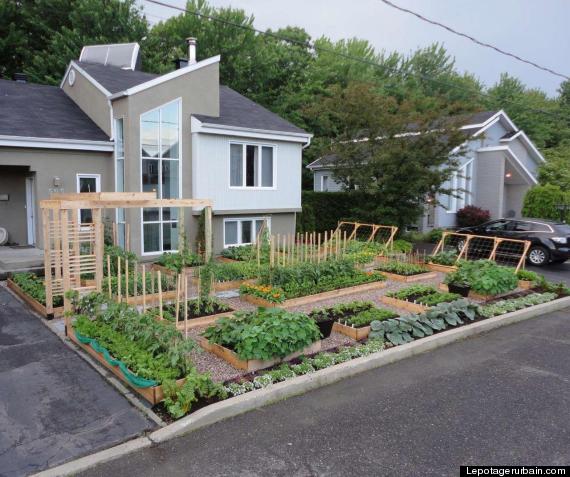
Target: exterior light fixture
{"x":508,"y":175}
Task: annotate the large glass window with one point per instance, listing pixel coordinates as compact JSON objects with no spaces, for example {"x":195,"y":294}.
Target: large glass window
{"x":160,"y":169}
{"x":251,"y":165}
{"x":462,"y":184}
{"x":243,"y":231}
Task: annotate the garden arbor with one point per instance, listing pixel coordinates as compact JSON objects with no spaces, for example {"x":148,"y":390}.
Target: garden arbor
{"x":72,"y":249}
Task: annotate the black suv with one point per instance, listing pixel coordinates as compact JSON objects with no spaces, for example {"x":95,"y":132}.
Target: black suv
{"x":550,"y":240}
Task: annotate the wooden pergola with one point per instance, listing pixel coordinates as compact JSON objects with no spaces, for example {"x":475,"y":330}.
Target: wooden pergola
{"x":72,"y":249}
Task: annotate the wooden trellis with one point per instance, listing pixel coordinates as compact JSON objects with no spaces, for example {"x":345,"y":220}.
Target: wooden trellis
{"x":73,"y":249}
{"x":368,"y":232}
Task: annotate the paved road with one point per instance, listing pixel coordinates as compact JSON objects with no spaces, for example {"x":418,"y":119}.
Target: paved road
{"x":555,"y":273}
{"x":54,"y":406}
{"x":501,"y":398}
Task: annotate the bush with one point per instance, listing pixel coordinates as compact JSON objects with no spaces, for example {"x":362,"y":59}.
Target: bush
{"x":541,"y":201}
{"x":484,"y":277}
{"x":264,"y":334}
{"x":470,"y":216}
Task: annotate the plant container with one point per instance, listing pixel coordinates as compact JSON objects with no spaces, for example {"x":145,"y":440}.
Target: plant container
{"x":325,"y":327}
{"x":356,"y":334}
{"x":459,"y":289}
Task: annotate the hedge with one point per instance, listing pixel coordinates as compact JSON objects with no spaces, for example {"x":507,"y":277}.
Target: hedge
{"x":323,"y":210}
{"x":541,"y":201}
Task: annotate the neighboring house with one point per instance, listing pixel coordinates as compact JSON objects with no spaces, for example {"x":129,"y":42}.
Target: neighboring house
{"x":111,"y":127}
{"x":500,"y":164}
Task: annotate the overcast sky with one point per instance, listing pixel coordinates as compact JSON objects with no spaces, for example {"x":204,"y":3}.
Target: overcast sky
{"x":534,"y":29}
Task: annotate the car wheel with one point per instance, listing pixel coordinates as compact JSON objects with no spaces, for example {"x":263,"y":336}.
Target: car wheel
{"x":538,"y":256}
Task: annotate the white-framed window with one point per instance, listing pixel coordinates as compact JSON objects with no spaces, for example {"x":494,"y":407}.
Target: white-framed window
{"x":243,"y":231}
{"x":120,"y":179}
{"x":252,"y":166}
{"x":160,"y":171}
{"x":461,"y":182}
{"x":87,"y":183}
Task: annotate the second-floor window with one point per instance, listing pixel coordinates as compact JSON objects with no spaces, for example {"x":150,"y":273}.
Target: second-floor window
{"x":160,"y":161}
{"x":251,"y":166}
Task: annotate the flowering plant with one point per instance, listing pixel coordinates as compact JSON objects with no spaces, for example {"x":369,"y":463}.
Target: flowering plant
{"x":267,"y":292}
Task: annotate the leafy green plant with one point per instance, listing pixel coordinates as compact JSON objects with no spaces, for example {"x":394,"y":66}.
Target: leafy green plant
{"x":167,"y":284}
{"x":178,"y":261}
{"x":413,"y":292}
{"x":364,"y":318}
{"x":115,"y":252}
{"x":484,"y":277}
{"x":197,"y":307}
{"x":225,"y":272}
{"x":34,"y":286}
{"x":242,"y":253}
{"x":402,"y":268}
{"x":363,"y":252}
{"x":410,"y":327}
{"x":506,"y":306}
{"x":401,"y":245}
{"x":528,"y":276}
{"x":264,"y":334}
{"x":447,"y":258}
{"x":341,"y":310}
{"x":178,"y":400}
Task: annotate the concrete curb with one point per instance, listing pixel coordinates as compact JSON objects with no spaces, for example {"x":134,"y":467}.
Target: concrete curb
{"x":107,"y":455}
{"x":300,"y":385}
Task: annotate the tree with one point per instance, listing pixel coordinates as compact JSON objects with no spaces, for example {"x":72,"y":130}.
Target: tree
{"x":541,"y":202}
{"x":556,"y":170}
{"x":390,"y":150}
{"x":90,"y":22}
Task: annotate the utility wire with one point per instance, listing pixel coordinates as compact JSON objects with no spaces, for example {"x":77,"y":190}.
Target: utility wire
{"x":311,"y":46}
{"x":474,"y":40}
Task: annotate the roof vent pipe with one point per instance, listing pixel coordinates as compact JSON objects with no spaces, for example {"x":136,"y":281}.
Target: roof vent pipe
{"x":191,"y":50}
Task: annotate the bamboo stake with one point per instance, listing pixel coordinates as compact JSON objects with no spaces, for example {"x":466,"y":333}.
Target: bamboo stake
{"x":319,"y":248}
{"x":185,"y":306}
{"x":135,"y":284}
{"x":344,"y":245}
{"x":272,"y":251}
{"x":128,"y":237}
{"x":152,"y":289}
{"x":177,"y":297}
{"x":109,"y":276}
{"x":127,"y":281}
{"x":119,"y":279}
{"x":144,"y":288}
{"x":114,"y":234}
{"x":278,"y":246}
{"x":326,"y":245}
{"x":159,"y":295}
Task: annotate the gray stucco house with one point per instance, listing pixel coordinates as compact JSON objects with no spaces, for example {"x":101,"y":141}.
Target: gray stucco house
{"x":500,"y":164}
{"x":111,"y":127}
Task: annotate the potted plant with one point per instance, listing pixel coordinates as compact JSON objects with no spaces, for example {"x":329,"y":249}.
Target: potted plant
{"x":458,"y":282}
{"x":324,"y":321}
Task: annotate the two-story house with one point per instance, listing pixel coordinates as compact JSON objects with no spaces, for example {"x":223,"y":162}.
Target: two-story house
{"x":498,"y":165}
{"x":111,"y":127}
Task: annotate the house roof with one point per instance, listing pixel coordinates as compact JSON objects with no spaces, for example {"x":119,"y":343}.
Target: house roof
{"x":41,"y":111}
{"x":235,"y":109}
{"x":323,"y":161}
{"x":239,"y":111}
{"x":113,"y":78}
{"x":480,"y":118}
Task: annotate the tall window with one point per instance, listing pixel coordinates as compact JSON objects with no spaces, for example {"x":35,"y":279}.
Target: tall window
{"x":120,"y":178}
{"x":251,"y":166}
{"x":462,"y":184}
{"x":160,"y":157}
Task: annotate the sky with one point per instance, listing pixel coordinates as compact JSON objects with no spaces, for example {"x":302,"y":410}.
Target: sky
{"x":533,"y":29}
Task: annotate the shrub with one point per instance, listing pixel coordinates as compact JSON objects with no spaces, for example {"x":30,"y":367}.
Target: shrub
{"x":541,"y":202}
{"x":470,"y":216}
{"x":264,"y":334}
{"x":435,"y":235}
{"x":484,"y":277}
{"x":528,"y":276}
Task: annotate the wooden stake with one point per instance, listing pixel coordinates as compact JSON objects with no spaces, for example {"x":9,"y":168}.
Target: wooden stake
{"x":159,"y":294}
{"x":135,"y":284}
{"x":109,"y":276}
{"x":152,"y":288}
{"x":144,"y":288}
{"x":177,"y":297}
{"x":344,"y":244}
{"x":114,"y":234}
{"x":128,"y":238}
{"x":127,"y":281}
{"x":185,"y":306}
{"x":319,"y":248}
{"x":326,"y":245}
{"x":119,"y":279}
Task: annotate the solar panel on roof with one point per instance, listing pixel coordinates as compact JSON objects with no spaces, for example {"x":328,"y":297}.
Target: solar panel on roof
{"x":122,"y":55}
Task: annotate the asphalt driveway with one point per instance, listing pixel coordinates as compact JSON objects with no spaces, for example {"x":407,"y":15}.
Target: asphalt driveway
{"x":500,"y":398}
{"x":54,"y":406}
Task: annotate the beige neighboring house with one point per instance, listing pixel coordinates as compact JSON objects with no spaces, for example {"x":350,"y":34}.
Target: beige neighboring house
{"x":111,"y":127}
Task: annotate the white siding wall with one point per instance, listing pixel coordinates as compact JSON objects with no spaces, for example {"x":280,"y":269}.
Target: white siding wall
{"x":211,"y":176}
{"x":333,"y":186}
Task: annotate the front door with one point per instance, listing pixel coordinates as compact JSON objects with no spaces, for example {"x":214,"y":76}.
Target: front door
{"x":87,"y":183}
{"x":30,"y":208}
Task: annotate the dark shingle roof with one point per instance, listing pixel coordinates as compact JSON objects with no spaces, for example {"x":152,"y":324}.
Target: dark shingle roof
{"x":481,"y":117}
{"x":113,"y":78}
{"x":237,"y":110}
{"x":33,"y":110}
{"x":323,"y":161}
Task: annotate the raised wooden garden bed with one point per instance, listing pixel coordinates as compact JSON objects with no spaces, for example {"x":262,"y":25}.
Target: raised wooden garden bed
{"x":153,"y":394}
{"x":229,"y":285}
{"x":435,"y":267}
{"x":354,"y":333}
{"x":188,"y":271}
{"x":151,"y":298}
{"x":408,"y":278}
{"x":403,"y":304}
{"x":203,"y":320}
{"x":254,"y":364}
{"x":303,"y":300}
{"x":227,"y":260}
{"x":33,"y":303}
{"x":476,"y":296}
{"x":526,"y":284}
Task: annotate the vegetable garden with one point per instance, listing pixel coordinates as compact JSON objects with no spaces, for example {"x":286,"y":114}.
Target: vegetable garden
{"x":296,"y":306}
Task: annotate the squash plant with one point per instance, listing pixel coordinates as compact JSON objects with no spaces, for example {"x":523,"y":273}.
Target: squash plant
{"x":484,"y":277}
